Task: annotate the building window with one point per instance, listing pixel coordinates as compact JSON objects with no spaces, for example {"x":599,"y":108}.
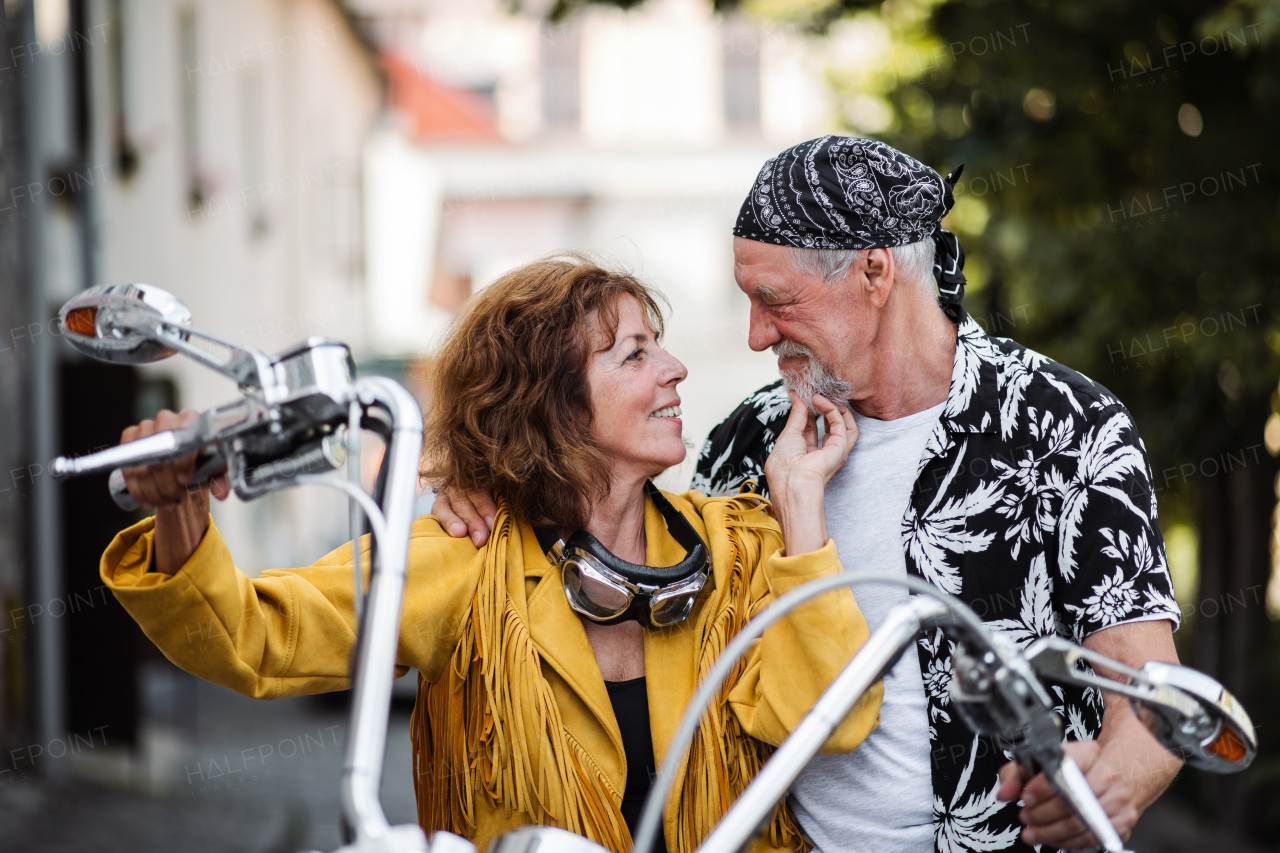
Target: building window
{"x":124,"y":153}
{"x":191,"y":73}
{"x":741,"y":48}
{"x":561,"y":46}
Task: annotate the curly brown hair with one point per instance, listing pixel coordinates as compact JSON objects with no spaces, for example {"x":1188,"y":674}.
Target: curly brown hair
{"x":509,"y":407}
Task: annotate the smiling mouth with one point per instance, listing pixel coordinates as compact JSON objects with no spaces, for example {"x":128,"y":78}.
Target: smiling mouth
{"x":668,"y":412}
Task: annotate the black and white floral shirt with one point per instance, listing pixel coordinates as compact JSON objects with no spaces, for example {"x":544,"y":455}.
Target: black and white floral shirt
{"x":1033,"y":503}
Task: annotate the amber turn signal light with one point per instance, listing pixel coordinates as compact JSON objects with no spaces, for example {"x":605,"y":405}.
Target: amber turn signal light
{"x":82,"y":321}
{"x":1228,"y":745}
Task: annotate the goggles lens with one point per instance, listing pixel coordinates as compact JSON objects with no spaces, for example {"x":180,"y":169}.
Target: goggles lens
{"x":591,"y":592}
{"x":600,"y":595}
{"x":673,"y":604}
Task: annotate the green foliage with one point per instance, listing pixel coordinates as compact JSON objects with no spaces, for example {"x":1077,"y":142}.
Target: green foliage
{"x":1138,"y":253}
{"x":562,"y":9}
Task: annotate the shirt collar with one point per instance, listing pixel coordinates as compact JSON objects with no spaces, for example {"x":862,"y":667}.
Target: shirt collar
{"x":973,"y":401}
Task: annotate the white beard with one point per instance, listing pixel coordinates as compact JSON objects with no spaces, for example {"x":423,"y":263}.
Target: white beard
{"x":811,"y":379}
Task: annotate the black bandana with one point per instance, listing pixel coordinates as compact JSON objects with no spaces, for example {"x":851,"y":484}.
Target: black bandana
{"x":841,"y":192}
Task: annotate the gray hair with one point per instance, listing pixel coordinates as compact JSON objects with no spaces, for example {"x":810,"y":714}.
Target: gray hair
{"x":914,"y":263}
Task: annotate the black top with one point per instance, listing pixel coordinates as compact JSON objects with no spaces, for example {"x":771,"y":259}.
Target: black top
{"x":630,"y":700}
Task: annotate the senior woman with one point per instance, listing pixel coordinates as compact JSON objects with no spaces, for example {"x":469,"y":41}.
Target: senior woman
{"x":554,"y":662}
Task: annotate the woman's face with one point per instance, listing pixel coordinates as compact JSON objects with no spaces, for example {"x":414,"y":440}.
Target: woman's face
{"x":634,"y":404}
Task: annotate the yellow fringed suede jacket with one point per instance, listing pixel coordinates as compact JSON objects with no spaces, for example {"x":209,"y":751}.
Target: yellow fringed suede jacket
{"x":513,"y":724}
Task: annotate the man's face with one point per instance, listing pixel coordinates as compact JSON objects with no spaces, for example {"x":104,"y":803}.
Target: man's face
{"x":813,"y":326}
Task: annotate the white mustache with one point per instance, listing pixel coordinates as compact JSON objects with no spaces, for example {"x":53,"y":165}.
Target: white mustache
{"x":791,"y":349}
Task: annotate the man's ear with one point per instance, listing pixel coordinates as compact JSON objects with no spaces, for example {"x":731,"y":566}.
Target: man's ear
{"x":880,"y":273}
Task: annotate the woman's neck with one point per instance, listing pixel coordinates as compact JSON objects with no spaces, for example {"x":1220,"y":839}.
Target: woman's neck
{"x":618,"y":521}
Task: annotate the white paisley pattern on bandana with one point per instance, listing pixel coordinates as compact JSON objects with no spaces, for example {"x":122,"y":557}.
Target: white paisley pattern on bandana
{"x":1033,"y":504}
{"x":842,"y":192}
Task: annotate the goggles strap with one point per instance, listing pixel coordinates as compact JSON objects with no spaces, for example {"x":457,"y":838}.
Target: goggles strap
{"x":547,"y":541}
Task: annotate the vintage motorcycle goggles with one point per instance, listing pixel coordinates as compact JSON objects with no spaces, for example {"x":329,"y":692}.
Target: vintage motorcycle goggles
{"x":609,"y":590}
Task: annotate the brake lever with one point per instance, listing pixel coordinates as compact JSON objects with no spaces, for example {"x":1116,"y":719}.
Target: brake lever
{"x":1055,"y":659}
{"x":210,"y":434}
{"x":160,"y":447}
{"x":219,"y":423}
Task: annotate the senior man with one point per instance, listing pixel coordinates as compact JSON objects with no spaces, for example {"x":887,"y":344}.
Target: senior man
{"x":1002,"y":477}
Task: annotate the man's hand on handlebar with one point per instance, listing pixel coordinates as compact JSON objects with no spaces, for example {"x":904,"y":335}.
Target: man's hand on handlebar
{"x":460,"y":512}
{"x":182,"y":510}
{"x":1048,"y":819}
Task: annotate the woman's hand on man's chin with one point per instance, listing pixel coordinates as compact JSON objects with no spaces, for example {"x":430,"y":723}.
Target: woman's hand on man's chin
{"x":798,"y":470}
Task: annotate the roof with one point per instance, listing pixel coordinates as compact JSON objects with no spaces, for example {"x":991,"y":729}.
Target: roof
{"x":436,"y":112}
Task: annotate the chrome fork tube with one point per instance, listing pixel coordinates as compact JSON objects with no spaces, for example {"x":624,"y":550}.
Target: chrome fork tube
{"x":380,"y":628}
{"x":755,"y":805}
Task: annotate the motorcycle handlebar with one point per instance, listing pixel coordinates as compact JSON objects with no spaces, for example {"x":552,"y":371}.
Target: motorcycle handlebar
{"x":161,"y":447}
{"x":166,"y":446}
{"x":208,"y":466}
{"x":1070,"y":783}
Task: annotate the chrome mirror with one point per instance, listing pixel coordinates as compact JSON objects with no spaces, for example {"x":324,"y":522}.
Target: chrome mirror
{"x":1195,"y":718}
{"x":1189,"y":713}
{"x":142,"y":323}
{"x":125,"y":323}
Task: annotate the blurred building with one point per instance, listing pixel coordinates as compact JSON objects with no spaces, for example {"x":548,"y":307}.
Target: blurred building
{"x":355,"y":170}
{"x":214,"y":149}
{"x":633,"y":134}
{"x":246,"y":123}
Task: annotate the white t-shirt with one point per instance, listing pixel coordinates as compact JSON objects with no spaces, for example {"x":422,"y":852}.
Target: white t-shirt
{"x":878,"y":798}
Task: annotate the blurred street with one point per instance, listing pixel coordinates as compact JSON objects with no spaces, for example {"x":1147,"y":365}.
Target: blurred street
{"x":218,"y":796}
{"x":236,"y":774}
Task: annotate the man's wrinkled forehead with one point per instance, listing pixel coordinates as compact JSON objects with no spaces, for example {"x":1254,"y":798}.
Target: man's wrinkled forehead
{"x":763,"y":269}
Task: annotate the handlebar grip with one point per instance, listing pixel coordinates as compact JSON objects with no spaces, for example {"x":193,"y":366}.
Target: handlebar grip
{"x":208,"y":466}
{"x":159,"y":447}
{"x":120,"y":492}
{"x":1070,"y":783}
